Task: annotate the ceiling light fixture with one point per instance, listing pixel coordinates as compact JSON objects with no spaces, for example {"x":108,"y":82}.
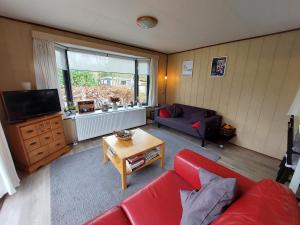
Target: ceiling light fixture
{"x":146,"y":22}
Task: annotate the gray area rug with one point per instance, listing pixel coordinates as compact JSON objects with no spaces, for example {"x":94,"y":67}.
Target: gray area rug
{"x":82,"y":186}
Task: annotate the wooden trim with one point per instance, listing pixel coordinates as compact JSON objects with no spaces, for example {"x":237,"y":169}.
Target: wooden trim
{"x":150,"y":51}
{"x":227,"y":42}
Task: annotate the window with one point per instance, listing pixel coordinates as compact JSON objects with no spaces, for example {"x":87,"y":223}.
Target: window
{"x":92,"y":75}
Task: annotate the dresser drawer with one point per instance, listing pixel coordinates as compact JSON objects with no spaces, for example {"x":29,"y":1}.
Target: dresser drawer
{"x":32,"y":144}
{"x":46,"y":138}
{"x":56,"y":123}
{"x":58,"y":133}
{"x":43,"y":127}
{"x":38,"y":154}
{"x":57,"y":145}
{"x":28,"y":132}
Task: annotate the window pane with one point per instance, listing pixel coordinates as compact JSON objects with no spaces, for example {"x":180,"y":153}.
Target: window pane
{"x":144,"y":70}
{"x":143,"y":88}
{"x":60,"y":58}
{"x":101,"y":85}
{"x":144,"y":67}
{"x":100,"y":62}
{"x":62,"y":86}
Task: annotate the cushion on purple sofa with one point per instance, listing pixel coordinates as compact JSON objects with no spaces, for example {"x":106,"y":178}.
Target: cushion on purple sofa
{"x":164,"y":113}
{"x":176,"y":111}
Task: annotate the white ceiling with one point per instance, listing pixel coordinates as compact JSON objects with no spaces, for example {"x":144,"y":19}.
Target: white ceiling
{"x":183,"y":24}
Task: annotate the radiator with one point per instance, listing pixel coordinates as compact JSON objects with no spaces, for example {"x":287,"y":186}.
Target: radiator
{"x":100,"y":123}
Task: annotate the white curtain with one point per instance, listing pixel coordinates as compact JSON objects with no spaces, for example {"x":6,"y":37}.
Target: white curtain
{"x":8,"y":175}
{"x":45,"y":66}
{"x":153,"y":82}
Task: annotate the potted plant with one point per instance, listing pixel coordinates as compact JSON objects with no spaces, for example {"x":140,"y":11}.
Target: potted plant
{"x":70,"y":110}
{"x":114,"y":101}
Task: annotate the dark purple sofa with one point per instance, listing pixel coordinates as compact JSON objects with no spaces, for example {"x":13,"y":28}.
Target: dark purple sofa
{"x":210,"y":122}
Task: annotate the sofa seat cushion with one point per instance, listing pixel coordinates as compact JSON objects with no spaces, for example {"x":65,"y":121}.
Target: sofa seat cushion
{"x":179,"y":123}
{"x":158,"y":203}
{"x":267,"y":202}
{"x":114,"y":216}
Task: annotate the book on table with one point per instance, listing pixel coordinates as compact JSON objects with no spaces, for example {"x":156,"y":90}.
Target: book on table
{"x":137,"y":161}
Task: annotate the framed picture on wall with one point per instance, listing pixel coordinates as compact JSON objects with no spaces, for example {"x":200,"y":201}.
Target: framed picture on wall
{"x":218,"y":66}
{"x":187,"y":68}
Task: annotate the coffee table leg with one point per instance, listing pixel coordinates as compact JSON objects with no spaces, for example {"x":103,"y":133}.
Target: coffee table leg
{"x":162,"y":155}
{"x":124,"y":175}
{"x":105,"y":147}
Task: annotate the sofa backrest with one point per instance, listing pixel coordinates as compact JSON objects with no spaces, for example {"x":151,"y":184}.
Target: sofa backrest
{"x":188,"y":162}
{"x":267,"y":202}
{"x":189,"y":110}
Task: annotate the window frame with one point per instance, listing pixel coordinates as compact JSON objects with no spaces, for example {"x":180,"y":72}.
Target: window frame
{"x":69,"y":90}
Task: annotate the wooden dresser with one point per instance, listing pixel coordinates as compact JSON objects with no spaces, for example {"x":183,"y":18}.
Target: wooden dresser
{"x":36,"y":142}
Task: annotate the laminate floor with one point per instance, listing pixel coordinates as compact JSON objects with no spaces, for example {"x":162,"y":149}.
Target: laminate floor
{"x":31,"y":204}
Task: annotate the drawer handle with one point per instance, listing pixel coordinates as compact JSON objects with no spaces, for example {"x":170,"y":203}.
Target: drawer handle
{"x":29,"y":131}
{"x":47,"y":138}
{"x":57,"y":144}
{"x":33,"y":143}
{"x":40,"y":153}
{"x":58,"y":133}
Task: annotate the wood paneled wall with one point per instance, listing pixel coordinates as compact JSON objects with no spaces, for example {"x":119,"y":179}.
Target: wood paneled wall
{"x":261,"y":80}
{"x":16,"y":54}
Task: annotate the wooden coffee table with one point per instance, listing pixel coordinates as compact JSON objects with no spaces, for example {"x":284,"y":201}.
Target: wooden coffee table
{"x":141,"y":143}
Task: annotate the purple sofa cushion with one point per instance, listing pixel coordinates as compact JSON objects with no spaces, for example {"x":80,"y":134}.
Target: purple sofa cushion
{"x":189,"y":110}
{"x":176,"y":111}
{"x":197,"y":116}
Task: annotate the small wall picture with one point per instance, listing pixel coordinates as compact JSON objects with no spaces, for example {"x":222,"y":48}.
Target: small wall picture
{"x":218,"y":66}
{"x":187,"y":68}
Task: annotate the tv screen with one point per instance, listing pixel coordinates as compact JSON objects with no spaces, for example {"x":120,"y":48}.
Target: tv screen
{"x":21,"y":105}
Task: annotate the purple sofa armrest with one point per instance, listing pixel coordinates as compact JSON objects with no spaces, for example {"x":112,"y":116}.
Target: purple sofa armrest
{"x":209,"y":126}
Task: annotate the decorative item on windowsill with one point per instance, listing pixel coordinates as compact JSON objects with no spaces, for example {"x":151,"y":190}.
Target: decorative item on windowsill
{"x":124,"y":135}
{"x":131,"y":104}
{"x":138,"y":104}
{"x":70,"y":110}
{"x":105,"y":107}
{"x":85,"y":106}
{"x":114,"y":101}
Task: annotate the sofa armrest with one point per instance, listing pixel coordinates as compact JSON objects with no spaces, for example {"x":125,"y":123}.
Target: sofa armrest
{"x":212,"y":125}
{"x":187,"y":164}
{"x":156,"y":110}
{"x":113,"y":216}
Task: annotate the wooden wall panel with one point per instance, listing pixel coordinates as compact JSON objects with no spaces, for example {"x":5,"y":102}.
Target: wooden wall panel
{"x":256,"y":92}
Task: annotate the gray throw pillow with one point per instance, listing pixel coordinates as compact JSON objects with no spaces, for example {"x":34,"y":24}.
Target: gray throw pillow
{"x":206,"y":177}
{"x":204,"y":206}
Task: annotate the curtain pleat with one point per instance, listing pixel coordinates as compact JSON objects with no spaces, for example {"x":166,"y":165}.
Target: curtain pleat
{"x":8,"y":175}
{"x":153,"y":82}
{"x":45,"y":66}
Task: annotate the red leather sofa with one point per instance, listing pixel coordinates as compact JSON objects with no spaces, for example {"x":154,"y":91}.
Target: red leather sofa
{"x":262,"y":203}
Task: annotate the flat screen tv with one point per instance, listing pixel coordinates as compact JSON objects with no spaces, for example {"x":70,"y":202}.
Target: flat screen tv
{"x":22,"y":105}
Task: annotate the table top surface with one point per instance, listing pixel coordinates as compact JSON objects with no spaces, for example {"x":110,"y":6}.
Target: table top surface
{"x":141,"y":142}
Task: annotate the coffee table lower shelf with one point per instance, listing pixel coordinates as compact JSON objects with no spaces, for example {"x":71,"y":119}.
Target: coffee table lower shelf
{"x":118,"y":151}
{"x":118,"y":164}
